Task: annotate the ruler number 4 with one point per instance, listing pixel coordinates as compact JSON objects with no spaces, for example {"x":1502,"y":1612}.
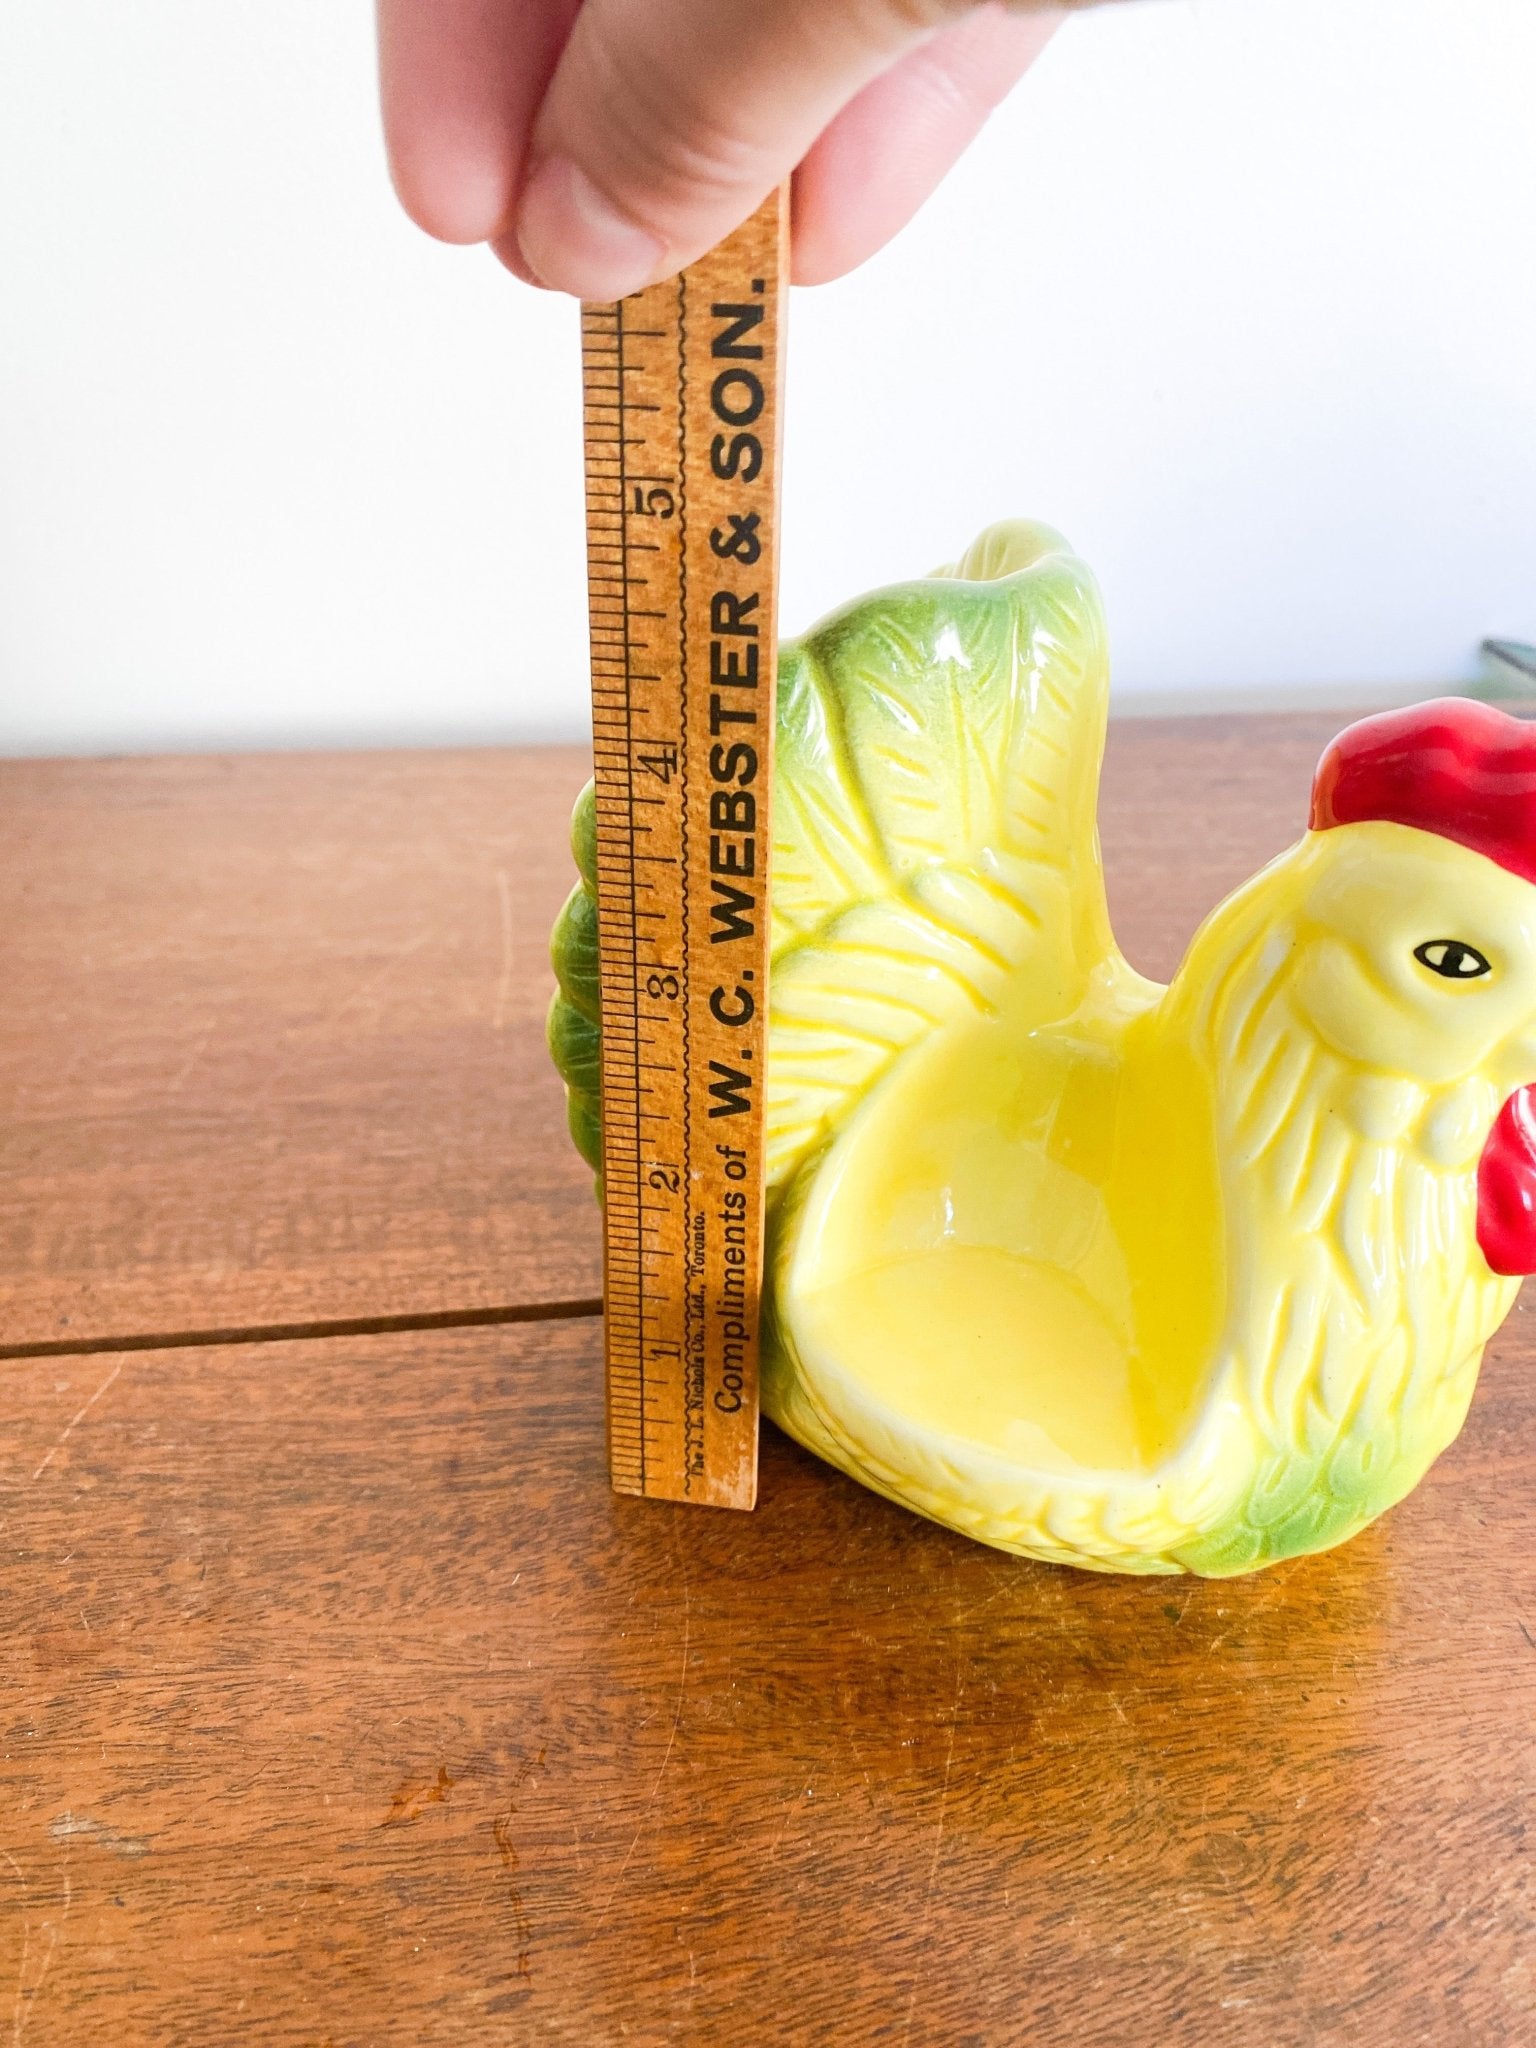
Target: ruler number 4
{"x":660,"y":761}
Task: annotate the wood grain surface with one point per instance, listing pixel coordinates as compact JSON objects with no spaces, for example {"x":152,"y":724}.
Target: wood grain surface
{"x":271,"y":1044}
{"x":345,"y":1705}
{"x":271,"y":1049}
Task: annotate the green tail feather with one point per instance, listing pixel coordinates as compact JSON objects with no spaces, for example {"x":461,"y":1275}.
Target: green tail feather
{"x":920,"y":729}
{"x":573,"y":1029}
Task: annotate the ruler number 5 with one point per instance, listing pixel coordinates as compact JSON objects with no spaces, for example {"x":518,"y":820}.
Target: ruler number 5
{"x":657,"y":503}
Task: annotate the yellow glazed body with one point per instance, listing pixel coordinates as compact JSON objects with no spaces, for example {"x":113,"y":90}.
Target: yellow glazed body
{"x":1135,"y":1278}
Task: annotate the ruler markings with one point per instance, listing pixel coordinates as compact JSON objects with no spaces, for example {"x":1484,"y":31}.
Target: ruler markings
{"x":681,"y":558}
{"x":690,"y":1307}
{"x":615,"y":1396}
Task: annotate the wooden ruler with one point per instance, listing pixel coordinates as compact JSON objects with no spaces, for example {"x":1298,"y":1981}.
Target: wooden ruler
{"x":682,"y":464}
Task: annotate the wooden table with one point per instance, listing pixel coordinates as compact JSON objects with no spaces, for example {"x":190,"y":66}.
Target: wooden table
{"x":343,"y":1703}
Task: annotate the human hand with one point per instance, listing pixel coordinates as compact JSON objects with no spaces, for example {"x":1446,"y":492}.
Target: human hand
{"x":598,"y":145}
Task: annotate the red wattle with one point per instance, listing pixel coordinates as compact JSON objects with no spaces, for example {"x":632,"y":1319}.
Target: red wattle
{"x":1506,"y":1188}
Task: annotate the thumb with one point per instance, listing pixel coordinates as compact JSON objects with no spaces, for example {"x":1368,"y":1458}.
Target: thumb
{"x":667,"y":123}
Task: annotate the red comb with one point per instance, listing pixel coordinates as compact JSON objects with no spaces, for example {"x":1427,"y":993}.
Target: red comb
{"x":1462,"y":769}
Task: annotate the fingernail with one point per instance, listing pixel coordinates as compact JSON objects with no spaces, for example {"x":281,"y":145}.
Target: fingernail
{"x":574,"y":241}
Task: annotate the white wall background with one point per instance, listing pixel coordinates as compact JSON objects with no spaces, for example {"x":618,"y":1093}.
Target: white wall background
{"x":1240,"y":293}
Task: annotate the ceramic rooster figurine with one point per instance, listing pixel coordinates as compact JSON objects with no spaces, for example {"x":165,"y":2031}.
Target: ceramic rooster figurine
{"x":1139,"y":1278}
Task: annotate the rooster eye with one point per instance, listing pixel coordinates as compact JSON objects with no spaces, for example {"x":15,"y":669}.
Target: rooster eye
{"x":1453,"y":958}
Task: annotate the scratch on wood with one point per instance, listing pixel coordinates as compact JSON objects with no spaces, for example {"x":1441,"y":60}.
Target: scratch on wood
{"x":18,"y":2015}
{"x":189,"y":1064}
{"x":75,"y":1421}
{"x":26,"y":1994}
{"x":372,"y":984}
{"x":506,"y":1848}
{"x":666,"y":1755}
{"x":505,"y":985}
{"x":778,"y":1840}
{"x":54,"y":1929}
{"x":938,"y":1845}
{"x":999,"y":1588}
